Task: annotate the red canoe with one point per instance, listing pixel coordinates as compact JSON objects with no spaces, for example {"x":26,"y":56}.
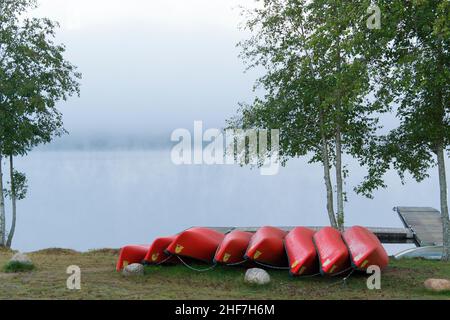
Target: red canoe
{"x":130,"y":255}
{"x":196,"y":243}
{"x":365,"y":248}
{"x":267,"y":247}
{"x":332,"y":251}
{"x":233,"y":247}
{"x":156,"y":253}
{"x":301,"y":252}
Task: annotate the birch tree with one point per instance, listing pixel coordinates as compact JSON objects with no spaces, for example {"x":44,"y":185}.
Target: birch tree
{"x":316,"y":85}
{"x":413,"y":71}
{"x":34,"y":76}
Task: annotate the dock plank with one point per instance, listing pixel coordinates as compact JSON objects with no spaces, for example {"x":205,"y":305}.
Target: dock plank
{"x":424,"y":222}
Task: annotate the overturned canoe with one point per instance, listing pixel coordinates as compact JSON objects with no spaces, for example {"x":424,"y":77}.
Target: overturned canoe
{"x":233,"y":247}
{"x":301,"y":252}
{"x":365,"y":248}
{"x":267,"y":247}
{"x":131,"y":254}
{"x":156,"y":253}
{"x":332,"y":251}
{"x":196,"y":243}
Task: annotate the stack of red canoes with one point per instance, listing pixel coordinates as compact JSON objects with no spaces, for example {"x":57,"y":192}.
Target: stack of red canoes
{"x":303,"y":251}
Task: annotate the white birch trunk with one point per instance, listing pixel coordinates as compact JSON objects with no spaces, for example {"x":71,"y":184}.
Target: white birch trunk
{"x":13,"y":204}
{"x":328,"y":185}
{"x":444,"y":203}
{"x":2,"y":209}
{"x":339,"y":182}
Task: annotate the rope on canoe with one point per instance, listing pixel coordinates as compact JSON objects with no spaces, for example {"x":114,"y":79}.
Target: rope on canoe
{"x":344,"y":271}
{"x":195,"y":269}
{"x":309,"y":276}
{"x":270,"y":267}
{"x":146,"y":263}
{"x":348,"y":277}
{"x":343,"y":281}
{"x":165,"y":260}
{"x":236,"y":263}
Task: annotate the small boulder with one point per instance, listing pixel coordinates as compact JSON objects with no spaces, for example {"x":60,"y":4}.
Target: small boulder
{"x":20,"y":258}
{"x":257,"y":276}
{"x":134,"y":269}
{"x":437,"y":285}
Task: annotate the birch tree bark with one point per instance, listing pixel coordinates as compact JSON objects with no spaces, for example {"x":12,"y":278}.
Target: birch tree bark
{"x":326,"y":169}
{"x":339,"y":181}
{"x":338,"y":165}
{"x":13,"y":203}
{"x":2,"y":208}
{"x":444,"y":202}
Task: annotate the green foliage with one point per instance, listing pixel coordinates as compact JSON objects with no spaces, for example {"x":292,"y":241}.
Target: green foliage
{"x":310,"y":52}
{"x":317,"y":82}
{"x":16,"y":267}
{"x":413,"y":72}
{"x":20,"y":186}
{"x":33,"y":77}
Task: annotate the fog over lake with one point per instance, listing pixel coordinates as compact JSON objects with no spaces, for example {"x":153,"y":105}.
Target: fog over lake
{"x":150,"y":67}
{"x":94,"y":199}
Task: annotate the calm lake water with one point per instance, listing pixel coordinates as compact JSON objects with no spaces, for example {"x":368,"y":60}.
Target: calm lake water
{"x":85,"y":200}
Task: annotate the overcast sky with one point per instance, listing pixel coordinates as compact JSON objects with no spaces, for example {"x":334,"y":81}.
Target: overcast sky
{"x":151,"y":66}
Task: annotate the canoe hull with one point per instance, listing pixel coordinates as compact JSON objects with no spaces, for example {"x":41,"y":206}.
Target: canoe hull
{"x":333,"y":254}
{"x":196,"y":243}
{"x":365,"y":248}
{"x":267,"y":247}
{"x":302,"y":254}
{"x":233,"y":247}
{"x":156,"y":254}
{"x":131,"y":254}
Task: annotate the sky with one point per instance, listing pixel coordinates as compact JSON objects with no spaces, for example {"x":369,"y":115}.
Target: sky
{"x":151,"y":66}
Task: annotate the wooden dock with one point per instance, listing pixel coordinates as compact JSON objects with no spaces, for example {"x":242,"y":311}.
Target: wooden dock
{"x":424,"y":222}
{"x":423,"y":227}
{"x":386,"y":235}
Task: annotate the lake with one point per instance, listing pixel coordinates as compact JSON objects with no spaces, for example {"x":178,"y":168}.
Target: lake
{"x":94,"y":199}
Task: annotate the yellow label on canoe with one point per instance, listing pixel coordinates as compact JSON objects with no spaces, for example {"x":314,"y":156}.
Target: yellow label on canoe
{"x":296,"y":263}
{"x":333,"y":268}
{"x":257,"y":255}
{"x":226,"y":257}
{"x":155,"y":256}
{"x":358,"y":257}
{"x":365,"y":263}
{"x":302,"y":270}
{"x":326,"y":263}
{"x":178,"y":249}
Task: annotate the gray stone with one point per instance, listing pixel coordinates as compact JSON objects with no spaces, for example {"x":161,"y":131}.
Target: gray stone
{"x":257,"y":276}
{"x":21,"y":258}
{"x":437,"y":285}
{"x":134,"y":269}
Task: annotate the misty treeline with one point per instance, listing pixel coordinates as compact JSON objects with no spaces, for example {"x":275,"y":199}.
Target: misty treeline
{"x":333,"y":69}
{"x":34,"y":76}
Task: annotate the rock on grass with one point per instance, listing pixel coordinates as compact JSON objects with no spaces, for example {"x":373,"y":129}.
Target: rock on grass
{"x":134,"y":269}
{"x":21,"y":258}
{"x":257,"y":276}
{"x":19,"y":263}
{"x":438,"y":285}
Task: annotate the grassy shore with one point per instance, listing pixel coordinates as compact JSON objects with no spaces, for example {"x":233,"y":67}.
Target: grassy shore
{"x":402,"y":280}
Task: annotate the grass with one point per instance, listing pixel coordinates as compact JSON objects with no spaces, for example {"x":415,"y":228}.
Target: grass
{"x":402,"y":280}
